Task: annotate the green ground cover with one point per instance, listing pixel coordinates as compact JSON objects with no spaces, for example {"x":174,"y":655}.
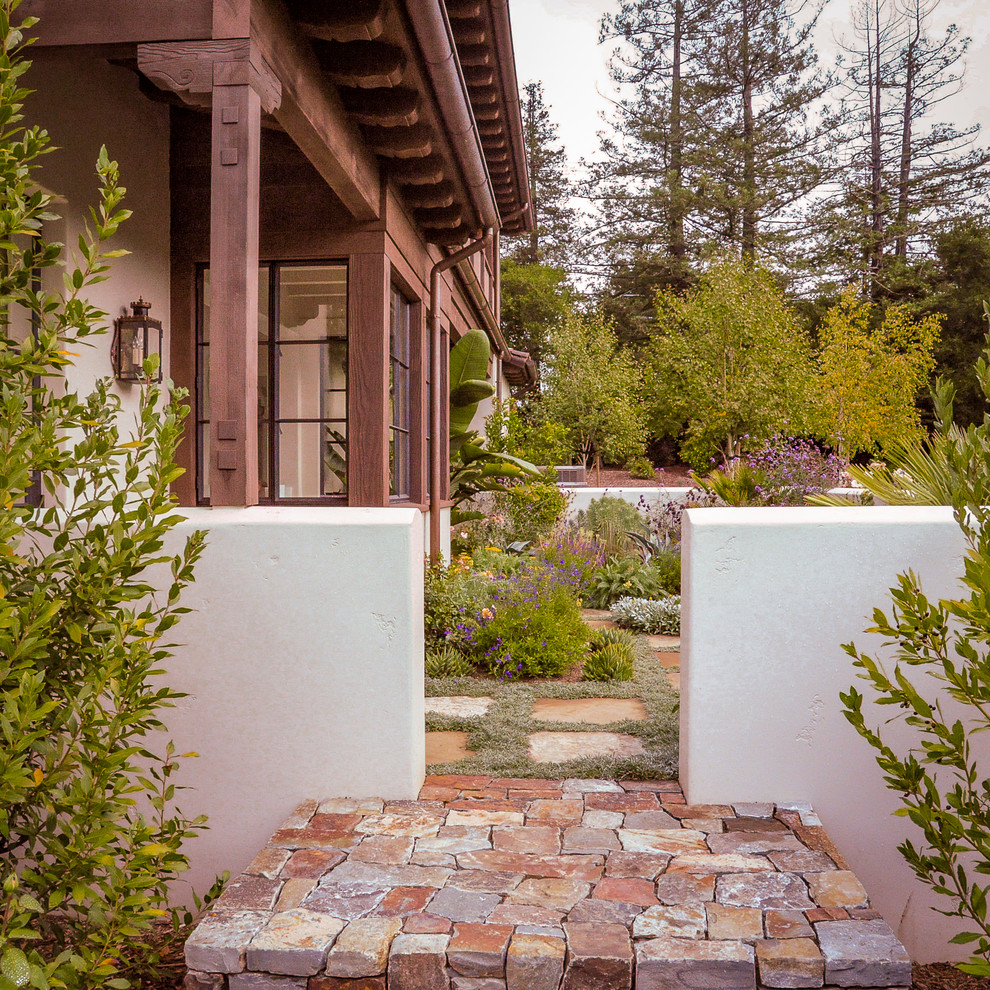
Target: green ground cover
{"x":499,"y":738}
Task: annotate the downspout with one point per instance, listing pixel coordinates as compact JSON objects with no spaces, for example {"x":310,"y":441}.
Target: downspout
{"x":497,"y":257}
{"x":437,"y":445}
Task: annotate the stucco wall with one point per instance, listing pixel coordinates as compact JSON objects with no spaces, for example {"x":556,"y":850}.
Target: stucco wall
{"x":303,"y":664}
{"x":84,"y":103}
{"x":769,"y":596}
{"x":581,"y":498}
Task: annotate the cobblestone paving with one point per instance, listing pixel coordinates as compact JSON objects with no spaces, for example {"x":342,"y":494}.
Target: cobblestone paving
{"x":520,"y":884}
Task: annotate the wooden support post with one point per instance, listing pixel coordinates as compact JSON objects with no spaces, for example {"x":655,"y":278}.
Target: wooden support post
{"x":369,"y":282}
{"x":235,"y":190}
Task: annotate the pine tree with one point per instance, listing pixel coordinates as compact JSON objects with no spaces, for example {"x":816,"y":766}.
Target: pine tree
{"x":552,"y":239}
{"x":713,"y":146}
{"x":905,"y":172}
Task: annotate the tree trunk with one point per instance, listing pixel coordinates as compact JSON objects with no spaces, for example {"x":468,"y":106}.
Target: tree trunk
{"x":904,"y":180}
{"x":677,"y":210}
{"x":749,"y":146}
{"x":876,"y":157}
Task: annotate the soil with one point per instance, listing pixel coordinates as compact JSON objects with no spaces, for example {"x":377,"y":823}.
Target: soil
{"x":674,"y":476}
{"x":944,"y":976}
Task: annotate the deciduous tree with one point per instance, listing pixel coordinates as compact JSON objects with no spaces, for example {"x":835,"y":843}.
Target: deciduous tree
{"x":593,"y":388}
{"x":871,"y":374}
{"x":729,"y":365}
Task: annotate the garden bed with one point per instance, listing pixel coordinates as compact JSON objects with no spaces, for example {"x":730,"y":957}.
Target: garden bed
{"x":500,"y":738}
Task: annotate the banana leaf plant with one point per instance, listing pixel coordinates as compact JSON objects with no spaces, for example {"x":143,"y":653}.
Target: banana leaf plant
{"x":472,"y":468}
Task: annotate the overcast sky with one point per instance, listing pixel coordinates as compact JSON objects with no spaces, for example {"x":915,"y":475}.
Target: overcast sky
{"x":556,"y":42}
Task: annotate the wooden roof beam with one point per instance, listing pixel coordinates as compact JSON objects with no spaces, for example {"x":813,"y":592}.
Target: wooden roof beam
{"x":417,"y":171}
{"x":312,"y":114}
{"x":400,"y":142}
{"x":429,"y":197}
{"x":357,"y":20}
{"x":114,"y":22}
{"x":386,"y":107}
{"x":364,"y":64}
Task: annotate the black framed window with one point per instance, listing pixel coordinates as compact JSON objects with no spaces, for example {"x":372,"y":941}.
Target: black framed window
{"x":400,"y":394}
{"x":302,"y":382}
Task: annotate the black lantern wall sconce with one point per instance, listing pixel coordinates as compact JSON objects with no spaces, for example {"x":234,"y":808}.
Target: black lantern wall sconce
{"x":136,"y":338}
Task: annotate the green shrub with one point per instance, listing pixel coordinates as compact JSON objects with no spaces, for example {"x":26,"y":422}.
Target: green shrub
{"x":445,"y":661}
{"x":738,"y":483}
{"x":613,"y":662}
{"x":640,"y":467}
{"x":611,"y":513}
{"x":624,"y":577}
{"x":83,"y":634}
{"x":531,"y":628}
{"x":540,"y":442}
{"x":450,"y":595}
{"x":667,"y":564}
{"x":496,"y":563}
{"x":601,"y":638}
{"x":530,"y":510}
{"x":658,"y":618}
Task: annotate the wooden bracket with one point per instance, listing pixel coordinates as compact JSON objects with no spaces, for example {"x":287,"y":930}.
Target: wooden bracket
{"x":193,"y":68}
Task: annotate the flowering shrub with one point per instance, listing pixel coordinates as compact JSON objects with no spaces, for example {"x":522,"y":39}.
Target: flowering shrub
{"x":449,"y":595}
{"x":574,"y":555}
{"x":530,"y":627}
{"x":791,"y":469}
{"x":661,"y":617}
{"x":663,"y":519}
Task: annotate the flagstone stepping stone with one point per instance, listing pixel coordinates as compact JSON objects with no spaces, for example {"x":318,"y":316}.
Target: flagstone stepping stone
{"x":595,"y":711}
{"x":558,"y":747}
{"x":459,"y":706}
{"x":446,"y":747}
{"x":600,"y":623}
{"x":674,"y":679}
{"x":668,"y":658}
{"x":664,"y":642}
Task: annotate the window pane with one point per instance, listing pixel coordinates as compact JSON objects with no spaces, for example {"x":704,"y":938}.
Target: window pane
{"x":304,"y":358}
{"x":335,"y":459}
{"x":312,"y":459}
{"x":204,"y":461}
{"x":312,"y":302}
{"x":264,"y":424}
{"x":303,"y":379}
{"x":399,"y":395}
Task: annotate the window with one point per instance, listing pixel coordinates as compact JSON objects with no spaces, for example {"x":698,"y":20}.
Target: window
{"x":302,"y":382}
{"x":400,"y":394}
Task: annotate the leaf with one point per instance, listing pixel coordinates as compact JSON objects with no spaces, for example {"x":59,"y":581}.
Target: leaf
{"x":14,"y":966}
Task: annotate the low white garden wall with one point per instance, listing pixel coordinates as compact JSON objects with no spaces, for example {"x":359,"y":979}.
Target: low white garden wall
{"x":303,"y":666}
{"x":581,"y":498}
{"x":768,"y":597}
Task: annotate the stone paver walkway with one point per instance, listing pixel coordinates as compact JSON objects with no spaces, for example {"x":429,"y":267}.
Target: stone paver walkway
{"x":519,"y":884}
